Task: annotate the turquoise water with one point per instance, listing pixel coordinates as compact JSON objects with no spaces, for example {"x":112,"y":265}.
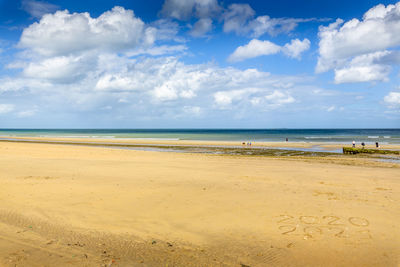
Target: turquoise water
{"x":384,"y":136}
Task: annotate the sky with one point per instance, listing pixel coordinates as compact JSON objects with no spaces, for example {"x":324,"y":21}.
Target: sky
{"x":199,"y":64}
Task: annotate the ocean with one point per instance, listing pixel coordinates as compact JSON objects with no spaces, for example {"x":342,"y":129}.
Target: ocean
{"x":384,"y":136}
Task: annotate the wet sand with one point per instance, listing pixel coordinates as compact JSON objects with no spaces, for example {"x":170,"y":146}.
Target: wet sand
{"x":151,"y":141}
{"x":89,"y":206}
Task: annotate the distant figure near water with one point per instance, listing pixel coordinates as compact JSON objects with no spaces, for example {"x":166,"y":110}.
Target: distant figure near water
{"x":377,"y":144}
{"x":287,"y":139}
{"x":354,"y":144}
{"x":363,"y":144}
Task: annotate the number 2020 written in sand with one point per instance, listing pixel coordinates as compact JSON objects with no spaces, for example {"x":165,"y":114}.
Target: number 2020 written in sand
{"x":318,"y":226}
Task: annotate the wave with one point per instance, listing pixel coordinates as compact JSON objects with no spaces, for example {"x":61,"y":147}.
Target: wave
{"x":321,"y":137}
{"x":149,"y":138}
{"x":373,"y":136}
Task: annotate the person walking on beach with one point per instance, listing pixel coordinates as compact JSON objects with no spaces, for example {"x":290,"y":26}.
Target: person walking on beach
{"x":363,"y":144}
{"x":377,"y":144}
{"x":354,"y":144}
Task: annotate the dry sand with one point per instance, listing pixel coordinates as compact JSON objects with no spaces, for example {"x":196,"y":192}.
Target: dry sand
{"x":90,"y":206}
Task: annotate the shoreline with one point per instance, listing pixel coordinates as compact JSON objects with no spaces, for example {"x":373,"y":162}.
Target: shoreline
{"x":144,"y":141}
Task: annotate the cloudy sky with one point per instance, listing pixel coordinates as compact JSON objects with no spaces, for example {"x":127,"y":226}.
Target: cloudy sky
{"x":199,"y":64}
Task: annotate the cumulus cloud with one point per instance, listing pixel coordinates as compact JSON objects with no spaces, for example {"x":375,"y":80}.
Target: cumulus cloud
{"x":393,"y":99}
{"x":296,"y":47}
{"x":361,"y":74}
{"x":225,"y":98}
{"x":368,"y":67}
{"x":204,"y":10}
{"x":64,"y":33}
{"x":59,"y":69}
{"x":278,"y":98}
{"x":256,"y":48}
{"x":159,"y":80}
{"x":201,"y":27}
{"x":185,"y":9}
{"x":240,"y":18}
{"x":178,"y":9}
{"x":236,"y":17}
{"x":274,"y":26}
{"x":357,"y":49}
{"x":38,"y":8}
{"x":257,"y":97}
{"x":66,"y":48}
{"x":98,"y":76}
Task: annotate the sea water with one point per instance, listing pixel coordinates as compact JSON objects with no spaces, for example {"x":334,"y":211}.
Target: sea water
{"x":383,"y":136}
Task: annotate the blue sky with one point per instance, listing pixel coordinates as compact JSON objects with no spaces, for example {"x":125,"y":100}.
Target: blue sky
{"x":199,"y":64}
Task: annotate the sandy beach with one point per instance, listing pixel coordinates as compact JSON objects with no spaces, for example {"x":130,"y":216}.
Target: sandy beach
{"x":96,"y":206}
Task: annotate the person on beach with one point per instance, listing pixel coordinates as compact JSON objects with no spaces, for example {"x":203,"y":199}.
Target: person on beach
{"x":363,"y":144}
{"x":354,"y":144}
{"x":377,"y":144}
{"x":287,"y":139}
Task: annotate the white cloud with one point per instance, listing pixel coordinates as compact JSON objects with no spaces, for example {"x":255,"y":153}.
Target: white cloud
{"x":63,"y":33}
{"x":393,"y":99}
{"x":258,"y":97}
{"x":207,"y":8}
{"x":296,"y":47}
{"x":236,"y":17}
{"x":8,"y":84}
{"x":26,"y":113}
{"x":59,"y":69}
{"x":178,"y":9}
{"x":38,"y":8}
{"x":256,"y":48}
{"x":239,"y":18}
{"x":116,"y":82}
{"x":66,"y":67}
{"x":225,"y":98}
{"x":67,"y":48}
{"x":166,"y":30}
{"x":365,"y":68}
{"x":184,"y":9}
{"x":192,"y":110}
{"x":277,"y":98}
{"x":274,"y":26}
{"x":331,"y":108}
{"x":158,"y":50}
{"x":6,"y":108}
{"x":201,"y":27}
{"x":363,"y":41}
{"x":361,"y":74}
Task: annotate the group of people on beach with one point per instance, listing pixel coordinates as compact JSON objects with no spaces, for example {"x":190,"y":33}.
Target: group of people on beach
{"x":363,"y":144}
